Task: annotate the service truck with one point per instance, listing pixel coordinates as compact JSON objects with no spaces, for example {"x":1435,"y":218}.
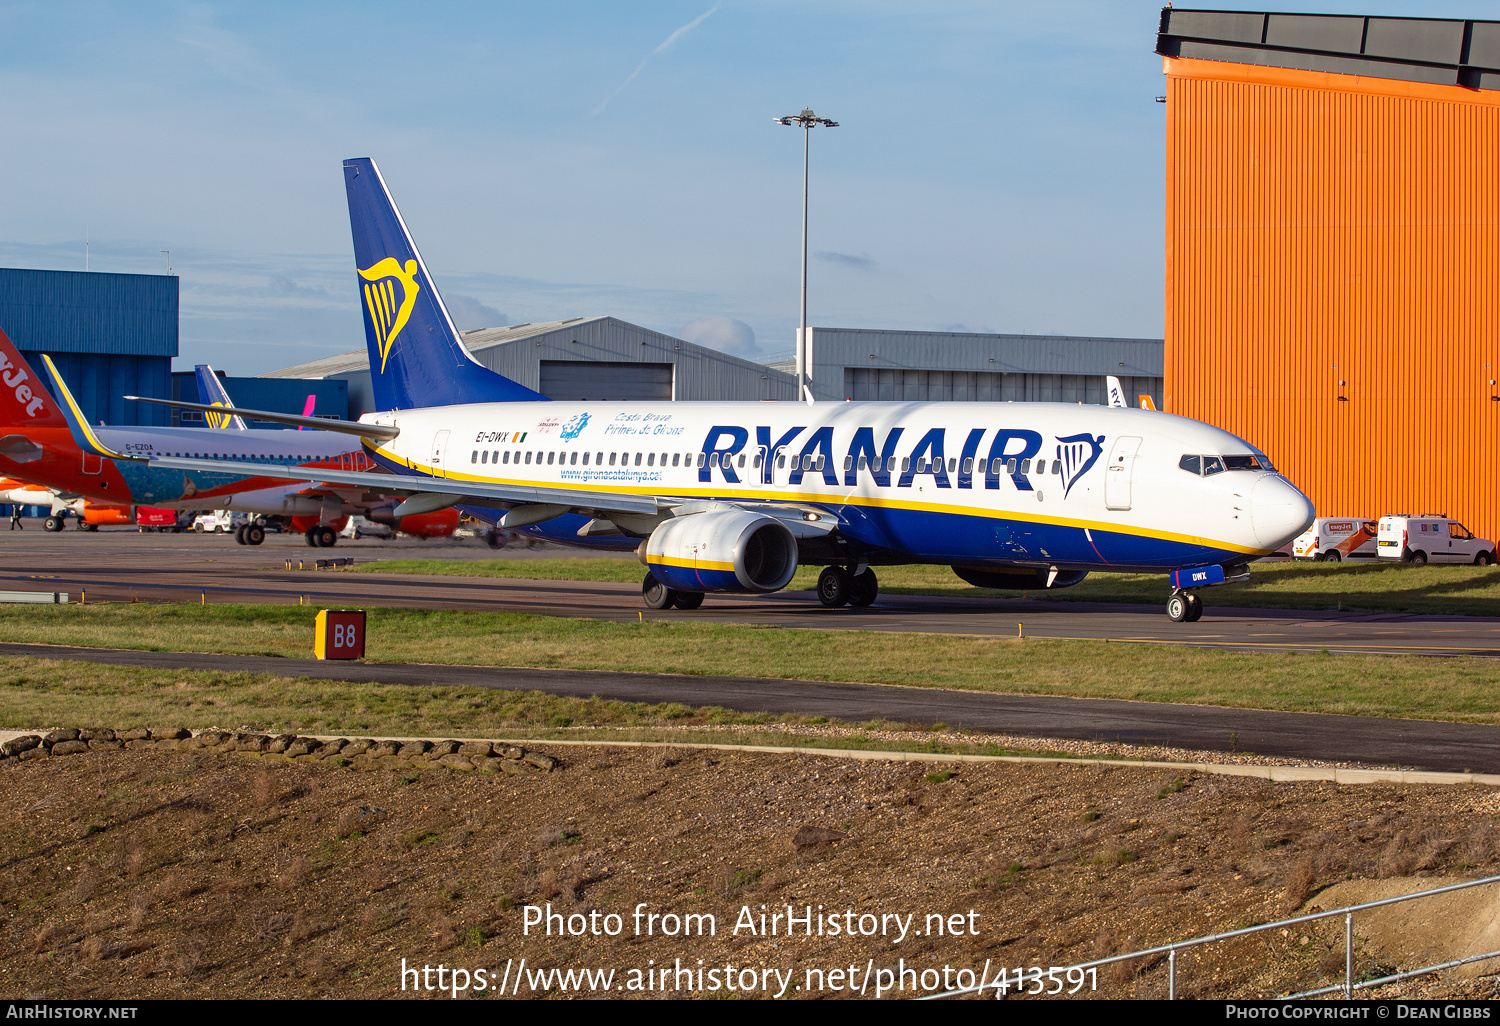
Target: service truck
{"x":1430,"y":538}
{"x":1334,"y":539}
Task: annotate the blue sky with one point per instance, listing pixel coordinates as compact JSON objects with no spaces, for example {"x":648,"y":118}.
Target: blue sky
{"x":998,"y":167}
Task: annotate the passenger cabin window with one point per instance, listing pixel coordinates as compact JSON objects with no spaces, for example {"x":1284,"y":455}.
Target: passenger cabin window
{"x":585,"y":459}
{"x":702,"y":460}
{"x":1010,"y":466}
{"x":675,"y":457}
{"x":756,"y":464}
{"x":905,"y":464}
{"x":573,"y":460}
{"x":1192,"y":464}
{"x":550,"y":457}
{"x":1025,"y":466}
{"x":474,"y":458}
{"x":781,"y":461}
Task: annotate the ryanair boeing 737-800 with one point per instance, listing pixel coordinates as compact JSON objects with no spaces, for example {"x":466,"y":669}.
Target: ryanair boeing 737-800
{"x":734,"y":496}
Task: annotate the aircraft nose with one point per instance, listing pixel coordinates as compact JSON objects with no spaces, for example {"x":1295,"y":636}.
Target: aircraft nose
{"x":1278,"y":511}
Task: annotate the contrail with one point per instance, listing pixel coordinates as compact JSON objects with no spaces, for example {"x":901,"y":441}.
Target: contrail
{"x":666,"y":44}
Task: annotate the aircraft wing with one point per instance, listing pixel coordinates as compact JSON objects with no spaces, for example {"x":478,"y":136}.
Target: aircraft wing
{"x":430,"y":489}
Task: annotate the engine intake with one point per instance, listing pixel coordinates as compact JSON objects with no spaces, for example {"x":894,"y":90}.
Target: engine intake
{"x":730,"y":550}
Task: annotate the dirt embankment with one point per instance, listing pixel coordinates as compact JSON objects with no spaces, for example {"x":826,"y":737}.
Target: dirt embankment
{"x":150,"y":873}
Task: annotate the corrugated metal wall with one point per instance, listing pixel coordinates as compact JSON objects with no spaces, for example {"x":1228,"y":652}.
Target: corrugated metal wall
{"x":701,"y":374}
{"x":1333,"y":281}
{"x":100,"y":384}
{"x":89,"y":312}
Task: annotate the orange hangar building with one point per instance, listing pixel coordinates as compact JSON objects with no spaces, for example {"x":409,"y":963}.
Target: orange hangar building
{"x":1333,"y":251}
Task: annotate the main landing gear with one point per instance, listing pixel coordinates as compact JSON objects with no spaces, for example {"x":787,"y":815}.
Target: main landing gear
{"x":249,"y":534}
{"x":837,"y":586}
{"x":323,"y":537}
{"x":658,"y":596}
{"x":1185,"y":607}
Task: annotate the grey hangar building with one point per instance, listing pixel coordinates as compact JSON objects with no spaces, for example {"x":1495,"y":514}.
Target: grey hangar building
{"x":607,"y":359}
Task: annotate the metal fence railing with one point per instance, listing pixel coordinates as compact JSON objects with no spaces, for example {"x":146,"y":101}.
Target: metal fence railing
{"x":1002,"y":985}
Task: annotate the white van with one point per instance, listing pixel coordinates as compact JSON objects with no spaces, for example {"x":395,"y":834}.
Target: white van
{"x":1333,"y":539}
{"x":1431,"y":537}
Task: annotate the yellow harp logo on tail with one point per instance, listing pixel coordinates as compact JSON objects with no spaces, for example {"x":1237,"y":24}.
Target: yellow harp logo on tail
{"x":216,"y":420}
{"x":388,"y":313}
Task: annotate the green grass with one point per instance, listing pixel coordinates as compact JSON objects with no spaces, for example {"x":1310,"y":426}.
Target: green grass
{"x":39,"y":693}
{"x":1386,"y":587}
{"x":1460,"y":688}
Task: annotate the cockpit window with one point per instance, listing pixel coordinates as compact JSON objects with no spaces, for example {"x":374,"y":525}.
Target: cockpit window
{"x":1212,"y":465}
{"x":1192,"y":464}
{"x":1248,"y":463}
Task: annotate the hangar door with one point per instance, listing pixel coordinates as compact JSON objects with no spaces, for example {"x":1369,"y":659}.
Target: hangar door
{"x":582,"y":379}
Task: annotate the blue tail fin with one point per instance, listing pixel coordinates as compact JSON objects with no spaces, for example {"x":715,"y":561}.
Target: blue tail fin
{"x":211,"y":393}
{"x":416,"y":356}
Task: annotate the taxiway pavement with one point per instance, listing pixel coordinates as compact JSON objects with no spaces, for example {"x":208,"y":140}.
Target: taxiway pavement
{"x":119,"y":565}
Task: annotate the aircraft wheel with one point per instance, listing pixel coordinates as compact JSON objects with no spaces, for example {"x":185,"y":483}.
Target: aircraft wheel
{"x":52,"y":524}
{"x":327,"y":536}
{"x":834,"y":586}
{"x":239,"y":535}
{"x":865,"y":587}
{"x":689,"y":599}
{"x":656,"y":594}
{"x":1195,"y":609}
{"x":311,"y":535}
{"x":254,"y":534}
{"x":1177,"y":608}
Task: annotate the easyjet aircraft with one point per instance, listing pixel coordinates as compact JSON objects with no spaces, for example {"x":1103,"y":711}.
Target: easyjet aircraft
{"x":38,"y":446}
{"x":733,"y":496}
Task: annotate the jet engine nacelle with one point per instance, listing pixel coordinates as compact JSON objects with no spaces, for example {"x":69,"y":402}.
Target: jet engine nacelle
{"x":270,"y":502}
{"x":728,"y":550}
{"x":1019,"y":579}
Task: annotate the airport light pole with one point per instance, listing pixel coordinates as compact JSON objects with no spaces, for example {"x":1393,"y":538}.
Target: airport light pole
{"x":806,"y":121}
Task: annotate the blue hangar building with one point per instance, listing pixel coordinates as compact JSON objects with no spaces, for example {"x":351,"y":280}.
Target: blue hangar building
{"x":111,"y":335}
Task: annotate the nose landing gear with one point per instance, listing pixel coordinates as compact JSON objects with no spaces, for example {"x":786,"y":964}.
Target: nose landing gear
{"x":1184,"y":607}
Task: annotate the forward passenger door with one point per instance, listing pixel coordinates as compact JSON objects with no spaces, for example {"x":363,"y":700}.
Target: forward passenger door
{"x":1117,"y":476}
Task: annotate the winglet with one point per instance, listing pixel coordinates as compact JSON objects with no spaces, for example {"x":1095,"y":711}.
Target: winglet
{"x":1116,"y":391}
{"x":78,"y":424}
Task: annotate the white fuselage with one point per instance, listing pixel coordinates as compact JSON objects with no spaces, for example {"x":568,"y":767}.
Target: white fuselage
{"x":973,"y":483}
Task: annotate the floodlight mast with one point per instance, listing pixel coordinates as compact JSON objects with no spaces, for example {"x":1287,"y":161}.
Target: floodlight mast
{"x":806,"y":121}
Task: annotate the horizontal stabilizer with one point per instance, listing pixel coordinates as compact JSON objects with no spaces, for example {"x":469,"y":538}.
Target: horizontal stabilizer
{"x":378,"y":432}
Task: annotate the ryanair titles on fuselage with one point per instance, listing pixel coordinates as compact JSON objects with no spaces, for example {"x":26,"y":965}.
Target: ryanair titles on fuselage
{"x":894,"y":456}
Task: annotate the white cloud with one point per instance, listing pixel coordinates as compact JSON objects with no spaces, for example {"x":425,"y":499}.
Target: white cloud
{"x":470,"y":314}
{"x":724,"y":334}
{"x":849,"y":260}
